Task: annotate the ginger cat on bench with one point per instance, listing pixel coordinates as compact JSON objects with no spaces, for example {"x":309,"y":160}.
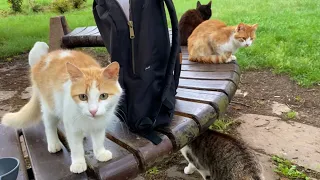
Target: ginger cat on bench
{"x":72,"y":87}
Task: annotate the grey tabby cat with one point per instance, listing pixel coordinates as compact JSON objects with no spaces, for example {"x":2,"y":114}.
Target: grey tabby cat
{"x":218,"y":156}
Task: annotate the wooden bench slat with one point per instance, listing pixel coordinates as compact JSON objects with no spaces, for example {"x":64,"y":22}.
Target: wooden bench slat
{"x":88,"y":31}
{"x":232,"y":76}
{"x":147,"y":153}
{"x":76,"y":31}
{"x":105,"y":170}
{"x":218,"y":100}
{"x":10,"y":147}
{"x":181,"y":131}
{"x":44,"y":164}
{"x":223,"y":86}
{"x":211,"y":67}
{"x":203,"y":114}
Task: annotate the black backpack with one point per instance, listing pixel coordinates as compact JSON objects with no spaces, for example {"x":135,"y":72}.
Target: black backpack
{"x":149,"y":67}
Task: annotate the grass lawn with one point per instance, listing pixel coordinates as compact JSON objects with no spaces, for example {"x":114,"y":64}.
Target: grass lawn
{"x":288,"y":39}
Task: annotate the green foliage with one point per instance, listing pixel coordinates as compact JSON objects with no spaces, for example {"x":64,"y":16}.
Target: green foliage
{"x":291,"y":114}
{"x":61,"y":6}
{"x":36,"y":8}
{"x":78,"y":3}
{"x":15,"y":5}
{"x":153,"y":171}
{"x":222,"y":125}
{"x":287,"y":169}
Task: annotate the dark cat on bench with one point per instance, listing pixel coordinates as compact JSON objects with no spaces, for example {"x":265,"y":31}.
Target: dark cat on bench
{"x":191,"y":19}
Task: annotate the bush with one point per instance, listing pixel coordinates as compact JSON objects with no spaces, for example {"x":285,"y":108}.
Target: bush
{"x":36,"y":8}
{"x":78,"y":3}
{"x":61,"y":6}
{"x":15,"y":5}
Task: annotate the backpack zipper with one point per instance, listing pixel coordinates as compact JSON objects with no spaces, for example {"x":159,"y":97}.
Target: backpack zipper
{"x":131,"y":31}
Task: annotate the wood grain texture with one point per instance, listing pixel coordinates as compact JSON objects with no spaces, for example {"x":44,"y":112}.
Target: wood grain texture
{"x":10,"y":147}
{"x":46,"y":165}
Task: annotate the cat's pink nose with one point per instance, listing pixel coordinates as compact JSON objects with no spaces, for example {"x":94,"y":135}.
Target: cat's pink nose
{"x":93,"y":112}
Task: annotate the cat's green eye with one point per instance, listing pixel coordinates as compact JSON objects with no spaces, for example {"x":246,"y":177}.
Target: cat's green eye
{"x":83,"y":97}
{"x":242,"y":39}
{"x":103,"y":96}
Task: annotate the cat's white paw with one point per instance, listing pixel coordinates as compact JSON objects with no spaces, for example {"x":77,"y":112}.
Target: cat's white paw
{"x":54,"y":147}
{"x":229,"y":59}
{"x":233,"y":57}
{"x":104,"y":155}
{"x":188,"y":170}
{"x":78,"y":167}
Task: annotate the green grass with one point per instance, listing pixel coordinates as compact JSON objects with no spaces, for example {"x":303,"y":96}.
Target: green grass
{"x":288,"y":37}
{"x":222,"y":125}
{"x":285,"y":168}
{"x":291,"y":115}
{"x":153,"y":171}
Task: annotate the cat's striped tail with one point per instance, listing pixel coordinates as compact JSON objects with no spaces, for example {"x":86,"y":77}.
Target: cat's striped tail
{"x":38,"y":50}
{"x":28,"y":115}
{"x":215,"y":59}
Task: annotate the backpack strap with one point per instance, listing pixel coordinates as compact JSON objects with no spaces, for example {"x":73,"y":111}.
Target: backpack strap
{"x":150,"y":133}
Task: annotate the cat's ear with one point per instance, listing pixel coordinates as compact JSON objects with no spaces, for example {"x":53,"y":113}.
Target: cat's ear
{"x":111,"y":71}
{"x":198,"y":4}
{"x":240,"y":27}
{"x":74,"y":72}
{"x":209,"y":4}
{"x":255,"y":26}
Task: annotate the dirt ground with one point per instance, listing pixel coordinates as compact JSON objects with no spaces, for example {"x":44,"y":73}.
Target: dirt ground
{"x":258,"y":91}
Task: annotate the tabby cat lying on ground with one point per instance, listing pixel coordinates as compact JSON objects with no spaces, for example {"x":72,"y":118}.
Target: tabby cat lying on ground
{"x":72,"y":87}
{"x":191,"y":19}
{"x":218,"y":156}
{"x":215,"y":42}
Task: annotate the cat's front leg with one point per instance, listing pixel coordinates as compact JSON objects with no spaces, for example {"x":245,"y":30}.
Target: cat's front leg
{"x":75,"y":141}
{"x":99,"y":150}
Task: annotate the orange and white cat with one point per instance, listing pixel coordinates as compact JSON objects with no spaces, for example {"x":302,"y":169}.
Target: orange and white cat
{"x":215,"y":42}
{"x":71,"y":86}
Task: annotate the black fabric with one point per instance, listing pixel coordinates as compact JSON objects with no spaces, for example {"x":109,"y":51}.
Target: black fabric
{"x":149,"y":68}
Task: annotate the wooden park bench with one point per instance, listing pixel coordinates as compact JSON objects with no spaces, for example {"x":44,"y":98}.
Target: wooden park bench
{"x":203,"y":95}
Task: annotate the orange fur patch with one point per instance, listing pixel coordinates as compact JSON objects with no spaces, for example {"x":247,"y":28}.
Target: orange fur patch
{"x":51,"y":73}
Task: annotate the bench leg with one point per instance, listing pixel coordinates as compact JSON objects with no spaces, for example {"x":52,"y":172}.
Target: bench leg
{"x":58,"y":28}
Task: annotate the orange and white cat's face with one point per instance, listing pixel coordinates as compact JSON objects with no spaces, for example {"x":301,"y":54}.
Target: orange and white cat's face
{"x":245,"y":34}
{"x":95,"y":90}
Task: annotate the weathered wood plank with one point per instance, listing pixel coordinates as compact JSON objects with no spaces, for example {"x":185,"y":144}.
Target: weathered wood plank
{"x":147,"y":153}
{"x":181,"y":131}
{"x":107,"y":170}
{"x":76,"y":31}
{"x":87,"y":31}
{"x":44,"y":164}
{"x":223,"y":86}
{"x":203,"y":114}
{"x":211,"y":67}
{"x":218,"y":100}
{"x":231,"y":76}
{"x":10,"y":147}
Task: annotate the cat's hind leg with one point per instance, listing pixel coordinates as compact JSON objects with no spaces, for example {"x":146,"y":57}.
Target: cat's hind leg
{"x":190,"y":169}
{"x":99,"y":150}
{"x":51,"y":126}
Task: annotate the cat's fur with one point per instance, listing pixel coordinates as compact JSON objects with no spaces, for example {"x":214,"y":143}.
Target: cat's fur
{"x":70,"y":86}
{"x":215,"y":42}
{"x":191,"y":19}
{"x":218,"y":156}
